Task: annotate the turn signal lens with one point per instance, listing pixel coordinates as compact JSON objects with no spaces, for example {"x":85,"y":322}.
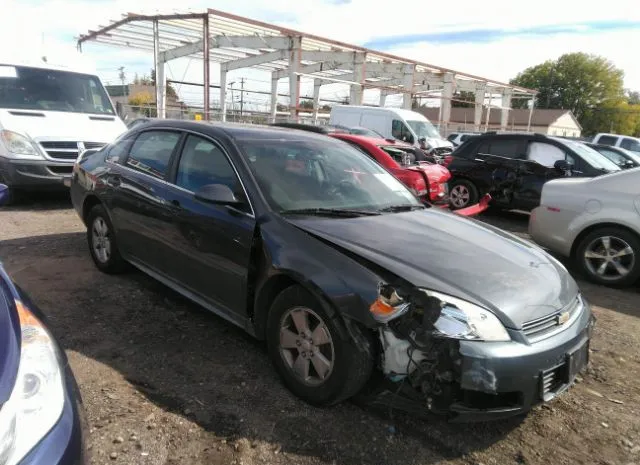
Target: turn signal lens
{"x":389,"y":304}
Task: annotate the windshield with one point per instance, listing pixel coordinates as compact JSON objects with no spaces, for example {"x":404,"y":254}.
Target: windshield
{"x":424,"y":129}
{"x":594,"y":158}
{"x":27,"y":88}
{"x":302,"y":174}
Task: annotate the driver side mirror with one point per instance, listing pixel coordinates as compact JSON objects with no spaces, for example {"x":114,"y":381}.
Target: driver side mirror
{"x":563,"y":165}
{"x":217,"y":194}
{"x":4,"y":193}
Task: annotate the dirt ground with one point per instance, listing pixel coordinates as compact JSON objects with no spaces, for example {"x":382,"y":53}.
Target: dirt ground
{"x":165,"y":382}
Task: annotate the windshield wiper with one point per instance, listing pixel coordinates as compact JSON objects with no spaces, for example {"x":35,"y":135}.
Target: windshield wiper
{"x":402,"y":208}
{"x":336,"y":212}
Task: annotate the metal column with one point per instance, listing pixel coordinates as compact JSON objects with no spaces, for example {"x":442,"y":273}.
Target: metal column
{"x":506,"y":109}
{"x":447,"y":95}
{"x":477,"y":113}
{"x":274,"y":96}
{"x":408,"y":85}
{"x":207,"y":80}
{"x":161,"y":94}
{"x":357,"y":90}
{"x":317,"y":83}
{"x":383,"y":97}
{"x":533,"y":104}
{"x":223,"y":95}
{"x":294,"y":78}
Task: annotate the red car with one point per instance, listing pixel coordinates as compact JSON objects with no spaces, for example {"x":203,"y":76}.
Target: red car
{"x":427,"y":180}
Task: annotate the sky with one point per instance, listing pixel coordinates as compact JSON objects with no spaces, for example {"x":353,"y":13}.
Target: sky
{"x":495,"y":39}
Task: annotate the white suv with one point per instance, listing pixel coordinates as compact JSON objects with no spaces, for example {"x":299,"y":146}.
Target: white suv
{"x":615,"y":140}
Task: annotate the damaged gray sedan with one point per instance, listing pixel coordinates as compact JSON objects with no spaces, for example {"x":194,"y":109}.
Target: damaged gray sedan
{"x":356,"y":286}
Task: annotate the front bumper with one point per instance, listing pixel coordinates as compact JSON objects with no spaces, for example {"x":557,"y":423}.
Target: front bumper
{"x":481,"y":381}
{"x":35,"y":174}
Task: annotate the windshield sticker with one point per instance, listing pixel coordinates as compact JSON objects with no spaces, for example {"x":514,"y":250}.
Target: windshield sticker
{"x":8,"y":72}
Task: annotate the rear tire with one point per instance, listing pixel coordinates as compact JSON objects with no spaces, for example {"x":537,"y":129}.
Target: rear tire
{"x":314,"y":355}
{"x":609,"y":256}
{"x":102,"y":242}
{"x":462,"y":193}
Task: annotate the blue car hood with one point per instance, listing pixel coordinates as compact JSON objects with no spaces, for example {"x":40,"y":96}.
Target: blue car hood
{"x":9,"y":337}
{"x":446,"y":252}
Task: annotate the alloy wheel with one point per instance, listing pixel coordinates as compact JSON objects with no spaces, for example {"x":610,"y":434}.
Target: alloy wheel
{"x":306,"y":345}
{"x":459,"y":196}
{"x":609,"y":257}
{"x":101,"y":239}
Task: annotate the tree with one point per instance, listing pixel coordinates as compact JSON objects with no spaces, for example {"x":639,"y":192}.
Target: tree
{"x":463,"y":99}
{"x":151,"y":81}
{"x":633,"y":97}
{"x":578,"y":82}
{"x":145,"y":102}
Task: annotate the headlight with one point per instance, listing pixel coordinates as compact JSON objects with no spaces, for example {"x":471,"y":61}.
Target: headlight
{"x":37,"y":398}
{"x":463,"y":320}
{"x":389,"y":304}
{"x":17,"y":144}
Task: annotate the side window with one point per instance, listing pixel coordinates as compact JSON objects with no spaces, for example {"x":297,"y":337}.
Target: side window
{"x":484,"y":148}
{"x":546,"y":154}
{"x":118,"y":150}
{"x":152,"y":151}
{"x":607,"y":140}
{"x":508,"y":148}
{"x":400,"y":131}
{"x":613,"y":156}
{"x":202,"y":162}
{"x":630,"y":144}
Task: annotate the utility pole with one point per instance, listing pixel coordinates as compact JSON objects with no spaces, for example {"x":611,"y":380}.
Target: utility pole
{"x":241,"y":96}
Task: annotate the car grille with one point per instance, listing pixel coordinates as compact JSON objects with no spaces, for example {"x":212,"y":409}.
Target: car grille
{"x":66,"y":150}
{"x":539,"y":327}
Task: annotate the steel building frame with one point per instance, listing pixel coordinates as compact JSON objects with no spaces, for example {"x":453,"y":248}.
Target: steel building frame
{"x":237,"y":42}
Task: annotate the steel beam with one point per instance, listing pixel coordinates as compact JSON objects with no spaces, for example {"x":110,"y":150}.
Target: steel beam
{"x":161,"y":93}
{"x":447,"y":95}
{"x":317,"y":83}
{"x":255,"y":60}
{"x":506,"y":109}
{"x":223,"y":95}
{"x":274,"y":96}
{"x":206,"y":67}
{"x":477,"y":112}
{"x":356,"y":92}
{"x":294,"y":77}
{"x":407,"y":84}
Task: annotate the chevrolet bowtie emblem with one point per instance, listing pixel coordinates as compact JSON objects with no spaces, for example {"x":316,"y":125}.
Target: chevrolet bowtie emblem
{"x":563,"y":318}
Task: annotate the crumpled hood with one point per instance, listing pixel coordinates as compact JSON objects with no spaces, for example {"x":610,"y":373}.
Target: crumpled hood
{"x":434,"y":172}
{"x":443,"y":251}
{"x":437,"y":143}
{"x":58,"y":125}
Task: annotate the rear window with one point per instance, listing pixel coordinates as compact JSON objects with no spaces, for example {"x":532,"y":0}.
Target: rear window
{"x":630,"y":144}
{"x":607,"y":140}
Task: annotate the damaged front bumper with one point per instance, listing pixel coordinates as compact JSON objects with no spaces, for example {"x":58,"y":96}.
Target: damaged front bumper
{"x":481,"y":381}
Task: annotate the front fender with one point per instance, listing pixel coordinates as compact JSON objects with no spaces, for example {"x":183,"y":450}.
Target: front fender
{"x":344,"y":284}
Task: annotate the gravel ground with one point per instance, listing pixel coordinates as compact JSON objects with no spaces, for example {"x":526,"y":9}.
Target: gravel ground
{"x":165,"y":382}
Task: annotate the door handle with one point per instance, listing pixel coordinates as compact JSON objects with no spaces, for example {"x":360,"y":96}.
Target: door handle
{"x":479,"y":159}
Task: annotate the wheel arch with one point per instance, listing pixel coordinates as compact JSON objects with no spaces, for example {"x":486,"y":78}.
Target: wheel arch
{"x":89,"y":202}
{"x":594,"y":227}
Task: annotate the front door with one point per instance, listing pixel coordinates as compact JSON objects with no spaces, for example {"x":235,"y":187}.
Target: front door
{"x":211,"y":243}
{"x":499,"y":160}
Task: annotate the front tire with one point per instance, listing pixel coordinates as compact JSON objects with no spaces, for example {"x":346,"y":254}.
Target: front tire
{"x":463,"y":193}
{"x":610,"y":256}
{"x":313,"y":353}
{"x":102,"y":242}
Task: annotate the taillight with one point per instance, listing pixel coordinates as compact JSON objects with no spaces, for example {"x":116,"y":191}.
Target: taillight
{"x":447,"y":160}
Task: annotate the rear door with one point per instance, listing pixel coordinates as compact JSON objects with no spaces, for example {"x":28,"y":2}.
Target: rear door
{"x":499,"y":160}
{"x":140,"y":206}
{"x":537,"y":169}
{"x":210,"y":244}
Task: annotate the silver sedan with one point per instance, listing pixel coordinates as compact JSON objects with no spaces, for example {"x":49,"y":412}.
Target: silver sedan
{"x":595,"y":222}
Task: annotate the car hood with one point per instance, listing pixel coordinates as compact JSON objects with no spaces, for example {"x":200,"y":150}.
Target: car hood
{"x":9,"y":340}
{"x":62,"y":126}
{"x":443,"y":251}
{"x":438,"y":143}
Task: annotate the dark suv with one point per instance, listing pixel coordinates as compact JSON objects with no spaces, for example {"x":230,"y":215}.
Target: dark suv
{"x":513,"y":167}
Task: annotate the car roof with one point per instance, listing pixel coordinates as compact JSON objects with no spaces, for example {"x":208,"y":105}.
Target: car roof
{"x":235,"y":130}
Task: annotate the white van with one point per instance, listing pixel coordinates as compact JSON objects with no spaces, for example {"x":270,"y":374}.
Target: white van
{"x":615,"y":140}
{"x":48,"y":115}
{"x":392,"y":123}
